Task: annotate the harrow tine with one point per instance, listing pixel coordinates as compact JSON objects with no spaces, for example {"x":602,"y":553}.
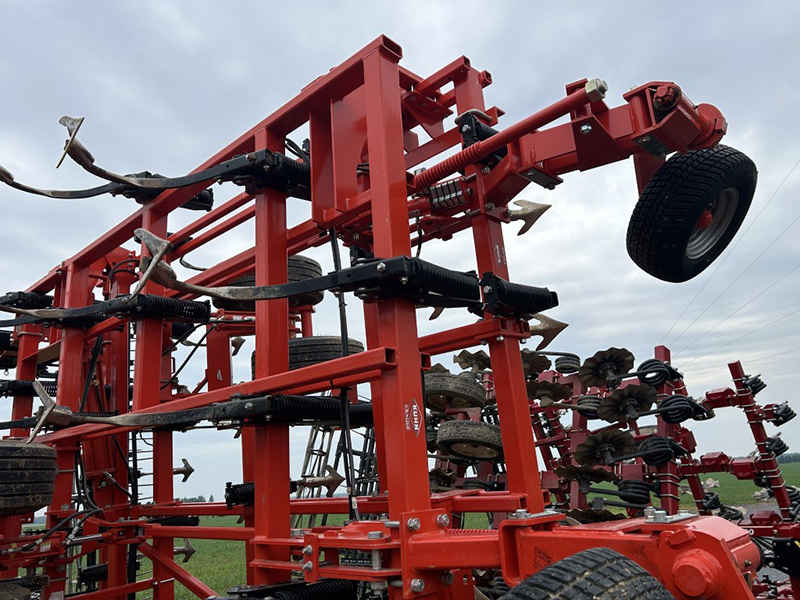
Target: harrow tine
{"x":548,"y":328}
{"x":529,"y":212}
{"x":158,"y":248}
{"x":73,"y":125}
{"x":7,"y":178}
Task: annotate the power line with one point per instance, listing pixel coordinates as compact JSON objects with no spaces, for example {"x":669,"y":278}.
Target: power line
{"x":740,"y":275}
{"x":724,"y":258}
{"x":750,"y":362}
{"x":761,"y":293}
{"x":741,"y":337}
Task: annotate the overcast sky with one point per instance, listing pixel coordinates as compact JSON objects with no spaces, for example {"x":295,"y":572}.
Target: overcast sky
{"x":164,"y":85}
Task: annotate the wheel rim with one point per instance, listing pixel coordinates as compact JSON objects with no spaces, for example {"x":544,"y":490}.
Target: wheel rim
{"x":723,"y":210}
{"x":478,"y":451}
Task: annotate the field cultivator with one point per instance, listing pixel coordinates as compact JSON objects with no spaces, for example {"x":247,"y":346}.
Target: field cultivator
{"x":379,"y":178}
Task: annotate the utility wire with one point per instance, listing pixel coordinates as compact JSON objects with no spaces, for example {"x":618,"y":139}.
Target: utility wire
{"x":794,"y":312}
{"x":750,"y":362}
{"x":740,"y":275}
{"x":724,"y":258}
{"x":761,"y":293}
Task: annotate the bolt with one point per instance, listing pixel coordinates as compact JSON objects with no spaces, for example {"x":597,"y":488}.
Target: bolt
{"x":490,"y":206}
{"x":381,"y":267}
{"x":520,"y":513}
{"x":486,"y":170}
{"x":645,"y":139}
{"x":417,"y":585}
{"x":586,"y":129}
{"x":660,"y":516}
{"x":443,"y":520}
{"x":392,"y":524}
{"x":465,"y":128}
{"x":448,"y":578}
{"x":487,"y":289}
{"x":307,"y":549}
{"x":308,"y":565}
{"x":413,"y":524}
{"x":375,"y":535}
{"x":248,"y":406}
{"x":649,"y":512}
{"x":404,"y":280}
{"x":500,"y":338}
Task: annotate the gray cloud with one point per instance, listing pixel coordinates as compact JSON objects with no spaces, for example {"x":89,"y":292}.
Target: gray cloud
{"x":165,"y":84}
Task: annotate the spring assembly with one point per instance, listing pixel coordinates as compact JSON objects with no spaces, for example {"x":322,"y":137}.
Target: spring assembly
{"x":711,"y":501}
{"x":782,"y":413}
{"x":794,"y":494}
{"x":446,"y":195}
{"x":776,"y":445}
{"x":297,"y":409}
{"x":21,"y":387}
{"x":679,"y":408}
{"x":729,"y":513}
{"x":566,"y":365}
{"x":755,"y":383}
{"x":176,"y":521}
{"x":240,"y":493}
{"x":202,"y":201}
{"x":172,"y":308}
{"x":523,"y":298}
{"x":587,"y":406}
{"x":93,"y":574}
{"x":635,"y":491}
{"x":26,"y":300}
{"x":331,"y":589}
{"x":446,"y":282}
{"x":654,"y":372}
{"x":294,"y":171}
{"x":656,"y":450}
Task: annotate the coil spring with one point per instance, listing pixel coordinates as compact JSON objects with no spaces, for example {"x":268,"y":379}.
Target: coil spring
{"x":22,"y":387}
{"x":172,"y":308}
{"x":34,"y":584}
{"x":794,"y":494}
{"x":176,"y":521}
{"x":443,"y":281}
{"x":93,"y":574}
{"x":587,"y":406}
{"x":569,"y":364}
{"x":330,"y":589}
{"x":635,"y":491}
{"x":202,"y":201}
{"x":288,"y":408}
{"x":656,"y":451}
{"x":657,"y":372}
{"x":711,"y":501}
{"x":730,"y":513}
{"x":181,"y":329}
{"x":776,"y":445}
{"x":678,"y":409}
{"x":782,"y":414}
{"x":27,"y":300}
{"x":525,"y":298}
{"x":448,"y":166}
{"x":755,"y":383}
{"x":294,"y":171}
{"x":110,"y":413}
{"x":240,"y":493}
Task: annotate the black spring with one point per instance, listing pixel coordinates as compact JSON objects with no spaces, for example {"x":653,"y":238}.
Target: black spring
{"x":711,"y":501}
{"x":777,"y":446}
{"x":656,"y":372}
{"x":729,"y":513}
{"x":794,"y":494}
{"x":93,"y":574}
{"x":296,"y":172}
{"x":443,"y":281}
{"x":566,"y":365}
{"x":240,"y":493}
{"x":330,"y":589}
{"x":22,"y":387}
{"x":181,"y":329}
{"x":202,"y":201}
{"x":150,"y":305}
{"x":656,"y":451}
{"x":755,"y":383}
{"x":176,"y":521}
{"x":524,"y":298}
{"x":782,"y":413}
{"x":297,"y":409}
{"x":677,"y":409}
{"x":587,"y":406}
{"x":26,"y":300}
{"x":635,"y":491}
{"x":34,"y":584}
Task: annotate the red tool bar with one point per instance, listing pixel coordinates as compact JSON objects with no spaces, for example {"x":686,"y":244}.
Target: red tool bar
{"x":485,"y":147}
{"x":192,"y":583}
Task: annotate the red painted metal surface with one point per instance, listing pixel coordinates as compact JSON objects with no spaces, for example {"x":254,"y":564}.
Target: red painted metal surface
{"x":362,"y":111}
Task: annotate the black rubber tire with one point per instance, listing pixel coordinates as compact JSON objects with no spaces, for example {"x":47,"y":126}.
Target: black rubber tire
{"x":443,"y":390}
{"x":672,"y":202}
{"x":300,"y":268}
{"x":471,"y":440}
{"x":27,"y":473}
{"x":312,"y":350}
{"x":594,"y":574}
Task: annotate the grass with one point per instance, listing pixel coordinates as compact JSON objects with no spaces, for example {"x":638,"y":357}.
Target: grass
{"x":221,"y":564}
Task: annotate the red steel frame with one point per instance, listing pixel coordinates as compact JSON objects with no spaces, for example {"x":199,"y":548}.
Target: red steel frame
{"x":363,"y":111}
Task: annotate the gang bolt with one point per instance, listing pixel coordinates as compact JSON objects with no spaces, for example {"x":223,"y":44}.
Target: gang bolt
{"x":466,"y":128}
{"x":443,"y":520}
{"x":417,"y":585}
{"x":487,"y":289}
{"x":307,"y":549}
{"x":248,"y":406}
{"x":381,"y":267}
{"x":448,"y":578}
{"x":586,"y":129}
{"x":308,"y":565}
{"x":413,"y":524}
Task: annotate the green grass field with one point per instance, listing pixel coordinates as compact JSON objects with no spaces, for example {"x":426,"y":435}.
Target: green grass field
{"x":221,"y":565}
